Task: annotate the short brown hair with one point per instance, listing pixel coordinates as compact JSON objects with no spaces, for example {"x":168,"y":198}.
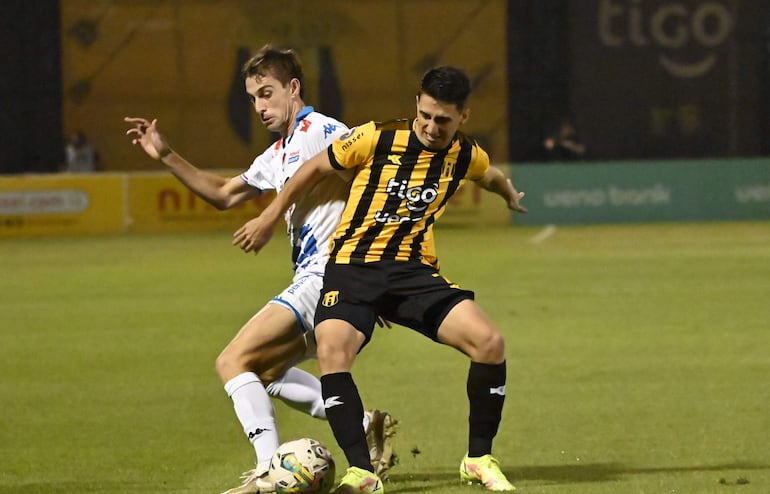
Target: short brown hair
{"x":283,"y":64}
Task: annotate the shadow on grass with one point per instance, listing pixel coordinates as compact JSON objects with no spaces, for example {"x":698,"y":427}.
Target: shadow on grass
{"x":422,"y":482}
{"x":87,"y":486}
{"x":559,"y":474}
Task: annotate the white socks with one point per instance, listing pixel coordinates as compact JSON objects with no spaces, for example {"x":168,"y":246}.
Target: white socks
{"x":255,"y":412}
{"x":300,"y":390}
{"x":297,"y":388}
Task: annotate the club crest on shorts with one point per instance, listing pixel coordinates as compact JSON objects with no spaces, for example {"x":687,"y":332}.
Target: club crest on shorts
{"x":331,"y":298}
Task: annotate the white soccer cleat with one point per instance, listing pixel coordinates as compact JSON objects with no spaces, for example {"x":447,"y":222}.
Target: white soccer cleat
{"x":253,"y":482}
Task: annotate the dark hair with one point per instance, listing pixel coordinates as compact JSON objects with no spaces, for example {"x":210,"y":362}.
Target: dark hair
{"x":283,"y":64}
{"x":448,"y":84}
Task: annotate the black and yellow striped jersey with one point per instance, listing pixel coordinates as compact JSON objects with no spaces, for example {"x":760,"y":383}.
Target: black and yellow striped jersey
{"x":399,"y":190}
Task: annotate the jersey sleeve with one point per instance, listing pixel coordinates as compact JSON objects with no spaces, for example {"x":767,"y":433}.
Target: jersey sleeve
{"x":354,"y":147}
{"x":322,"y":134}
{"x":479,"y":163}
{"x":260,"y":174}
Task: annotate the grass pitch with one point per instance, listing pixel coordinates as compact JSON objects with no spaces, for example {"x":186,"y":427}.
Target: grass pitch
{"x":639,"y":358}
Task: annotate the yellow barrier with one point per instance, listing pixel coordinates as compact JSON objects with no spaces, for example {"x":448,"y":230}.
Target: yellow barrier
{"x":38,"y":205}
{"x":160,"y":203}
{"x":156,"y":202}
{"x":101,"y":203}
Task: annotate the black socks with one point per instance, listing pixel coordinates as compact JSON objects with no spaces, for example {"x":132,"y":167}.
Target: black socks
{"x":486,"y":394}
{"x":345,"y":413}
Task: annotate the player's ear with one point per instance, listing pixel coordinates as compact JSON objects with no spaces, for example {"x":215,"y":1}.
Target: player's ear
{"x":295,"y":86}
{"x":465,"y":115}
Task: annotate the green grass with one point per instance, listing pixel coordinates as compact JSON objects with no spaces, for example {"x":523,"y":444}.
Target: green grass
{"x":639,"y":358}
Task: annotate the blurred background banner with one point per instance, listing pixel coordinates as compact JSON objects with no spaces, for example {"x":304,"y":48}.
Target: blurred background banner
{"x":180,"y":61}
{"x":83,"y":204}
{"x":665,"y":78}
{"x":618,"y":192}
{"x":156,"y":202}
{"x":637,"y":79}
{"x":159,"y":203}
{"x":62,"y":205}
{"x":640,"y":79}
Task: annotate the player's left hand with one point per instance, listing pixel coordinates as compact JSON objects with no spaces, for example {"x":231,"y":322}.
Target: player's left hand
{"x":253,"y":235}
{"x":515,"y":197}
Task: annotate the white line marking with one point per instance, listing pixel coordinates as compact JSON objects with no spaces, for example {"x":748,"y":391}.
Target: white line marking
{"x":543,"y":234}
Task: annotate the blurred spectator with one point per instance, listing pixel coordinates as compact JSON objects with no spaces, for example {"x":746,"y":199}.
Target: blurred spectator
{"x":562,"y":142}
{"x":80,"y":155}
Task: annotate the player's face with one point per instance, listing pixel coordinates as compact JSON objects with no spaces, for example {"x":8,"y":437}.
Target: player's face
{"x":437,"y":122}
{"x":273,"y":102}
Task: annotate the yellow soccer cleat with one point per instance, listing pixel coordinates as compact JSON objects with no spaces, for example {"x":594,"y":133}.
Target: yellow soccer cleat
{"x":484,"y":470}
{"x":357,"y":480}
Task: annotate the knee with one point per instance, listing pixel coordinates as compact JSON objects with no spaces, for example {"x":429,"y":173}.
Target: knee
{"x":224,"y":365}
{"x":490,"y":348}
{"x":232,"y":361}
{"x":334,"y":358}
{"x":327,"y":352}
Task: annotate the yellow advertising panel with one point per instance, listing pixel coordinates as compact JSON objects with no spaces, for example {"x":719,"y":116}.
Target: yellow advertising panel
{"x":67,"y":204}
{"x":158,"y":202}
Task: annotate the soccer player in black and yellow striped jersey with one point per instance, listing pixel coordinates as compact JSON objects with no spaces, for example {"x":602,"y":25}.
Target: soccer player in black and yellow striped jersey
{"x":381,"y":264}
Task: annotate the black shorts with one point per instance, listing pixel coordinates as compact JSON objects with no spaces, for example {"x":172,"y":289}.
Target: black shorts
{"x":409,"y":293}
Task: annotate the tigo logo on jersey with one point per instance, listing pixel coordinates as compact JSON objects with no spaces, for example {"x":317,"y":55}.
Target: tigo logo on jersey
{"x":417,"y":198}
{"x":331,"y":298}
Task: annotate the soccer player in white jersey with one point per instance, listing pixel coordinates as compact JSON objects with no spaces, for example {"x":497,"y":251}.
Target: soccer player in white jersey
{"x":259,"y":361}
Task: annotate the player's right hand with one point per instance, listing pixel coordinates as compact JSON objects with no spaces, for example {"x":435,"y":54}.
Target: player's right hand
{"x":146,"y":134}
{"x":254,"y":234}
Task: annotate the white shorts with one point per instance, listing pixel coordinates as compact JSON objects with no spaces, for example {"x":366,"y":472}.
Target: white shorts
{"x":301,"y":297}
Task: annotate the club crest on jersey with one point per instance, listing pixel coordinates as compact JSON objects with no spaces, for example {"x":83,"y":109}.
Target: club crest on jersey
{"x":331,"y":298}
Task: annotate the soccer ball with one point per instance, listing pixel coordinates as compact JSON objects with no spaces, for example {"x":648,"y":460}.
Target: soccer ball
{"x":302,"y":466}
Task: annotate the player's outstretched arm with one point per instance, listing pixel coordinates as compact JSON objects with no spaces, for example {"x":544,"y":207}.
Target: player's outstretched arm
{"x":256,"y":233}
{"x":496,"y":181}
{"x":220,"y":192}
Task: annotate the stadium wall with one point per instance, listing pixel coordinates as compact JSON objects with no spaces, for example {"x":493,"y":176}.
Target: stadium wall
{"x":610,"y":192}
{"x":109,"y":203}
{"x":156,"y":202}
{"x":629,"y":192}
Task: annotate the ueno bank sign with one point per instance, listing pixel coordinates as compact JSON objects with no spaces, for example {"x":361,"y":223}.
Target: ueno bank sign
{"x":671,"y":27}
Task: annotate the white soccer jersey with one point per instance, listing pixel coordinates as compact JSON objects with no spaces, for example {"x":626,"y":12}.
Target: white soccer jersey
{"x":314,"y":217}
